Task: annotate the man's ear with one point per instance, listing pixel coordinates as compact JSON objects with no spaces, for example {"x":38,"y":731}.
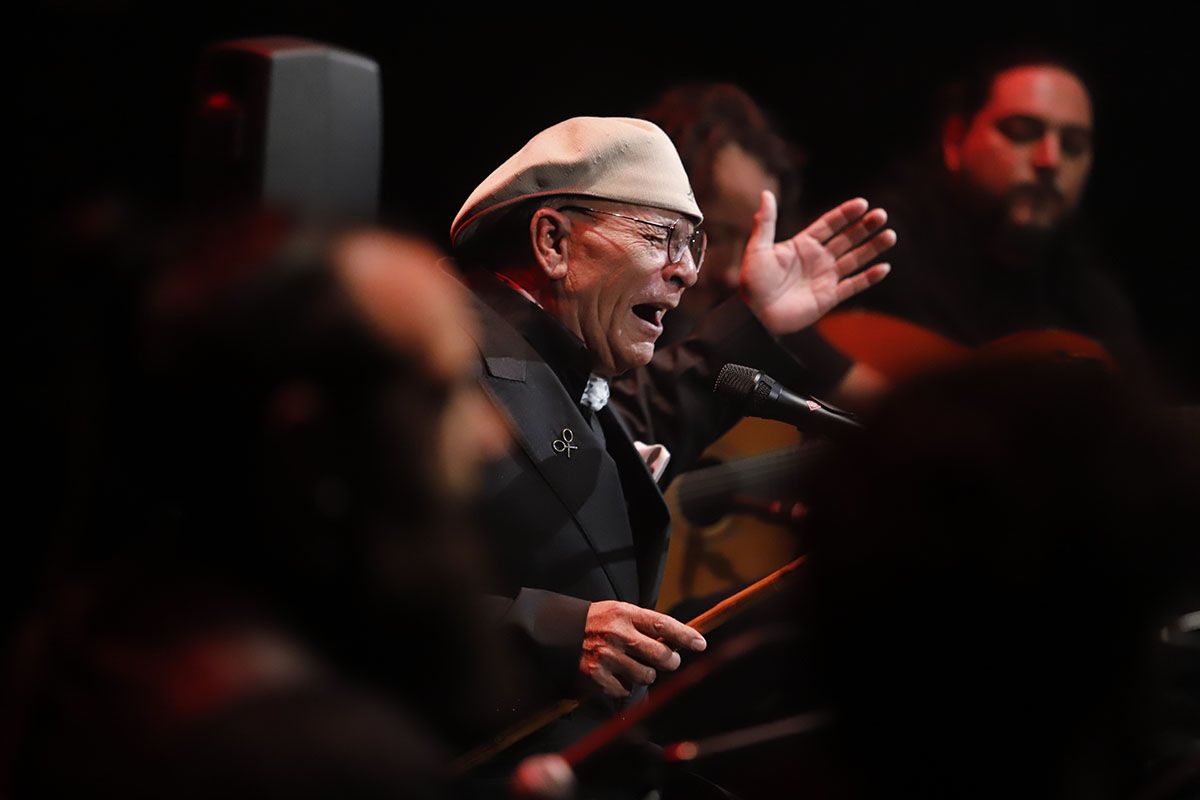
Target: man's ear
{"x":550,"y":235}
{"x":954,"y":130}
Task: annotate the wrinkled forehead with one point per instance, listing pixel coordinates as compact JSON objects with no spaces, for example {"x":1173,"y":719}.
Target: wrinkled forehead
{"x":661,"y":216}
{"x":1044,"y":91}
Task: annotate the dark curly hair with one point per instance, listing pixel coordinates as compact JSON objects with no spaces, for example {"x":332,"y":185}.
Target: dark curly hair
{"x":701,"y":119}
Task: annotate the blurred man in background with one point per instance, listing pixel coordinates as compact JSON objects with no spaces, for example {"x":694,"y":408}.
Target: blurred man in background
{"x":286,"y":607}
{"x":997,"y":610}
{"x":992,"y":239}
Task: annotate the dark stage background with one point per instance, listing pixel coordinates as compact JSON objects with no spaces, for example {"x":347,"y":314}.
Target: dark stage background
{"x":107,"y":86}
{"x":104,"y":90}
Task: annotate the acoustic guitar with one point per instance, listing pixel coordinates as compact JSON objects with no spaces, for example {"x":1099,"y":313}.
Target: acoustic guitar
{"x":735,"y":519}
{"x":901,"y":349}
{"x":725,"y":530}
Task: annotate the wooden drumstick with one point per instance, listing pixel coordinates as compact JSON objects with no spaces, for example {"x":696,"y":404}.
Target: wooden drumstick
{"x":735,"y":604}
{"x":716,"y":616}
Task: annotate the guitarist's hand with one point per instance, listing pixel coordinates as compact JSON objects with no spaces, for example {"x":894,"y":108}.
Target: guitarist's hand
{"x":622,"y":647}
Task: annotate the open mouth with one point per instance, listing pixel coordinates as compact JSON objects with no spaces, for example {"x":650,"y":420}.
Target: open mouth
{"x":650,"y":312}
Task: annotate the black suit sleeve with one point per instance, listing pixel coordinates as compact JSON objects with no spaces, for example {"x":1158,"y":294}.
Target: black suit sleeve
{"x":548,"y":628}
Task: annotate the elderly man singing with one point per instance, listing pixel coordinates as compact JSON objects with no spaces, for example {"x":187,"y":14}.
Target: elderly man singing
{"x":576,"y":247}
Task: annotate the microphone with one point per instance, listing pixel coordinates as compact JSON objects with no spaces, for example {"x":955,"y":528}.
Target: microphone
{"x":760,"y":395}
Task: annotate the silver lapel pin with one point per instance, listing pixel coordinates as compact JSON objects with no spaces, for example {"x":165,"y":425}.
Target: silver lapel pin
{"x":564,"y":445}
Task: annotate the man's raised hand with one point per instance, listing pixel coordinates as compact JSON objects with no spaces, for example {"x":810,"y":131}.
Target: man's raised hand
{"x":789,"y":285}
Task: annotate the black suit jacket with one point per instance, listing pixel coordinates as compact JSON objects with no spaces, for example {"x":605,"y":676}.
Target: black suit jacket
{"x":571,"y":526}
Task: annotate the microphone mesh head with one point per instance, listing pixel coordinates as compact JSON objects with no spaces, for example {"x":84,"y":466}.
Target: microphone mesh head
{"x":735,"y":382}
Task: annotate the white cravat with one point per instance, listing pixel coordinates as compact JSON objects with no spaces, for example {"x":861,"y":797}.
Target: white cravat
{"x":595,"y":394}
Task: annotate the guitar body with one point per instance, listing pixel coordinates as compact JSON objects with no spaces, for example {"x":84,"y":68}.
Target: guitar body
{"x":738,"y":548}
{"x":901,"y":349}
{"x":742,"y":547}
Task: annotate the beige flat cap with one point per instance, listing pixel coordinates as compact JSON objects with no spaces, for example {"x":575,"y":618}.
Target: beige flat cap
{"x":610,"y":158}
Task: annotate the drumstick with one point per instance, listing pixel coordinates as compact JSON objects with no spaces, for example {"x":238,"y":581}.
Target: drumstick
{"x":716,"y":616}
{"x":735,"y":604}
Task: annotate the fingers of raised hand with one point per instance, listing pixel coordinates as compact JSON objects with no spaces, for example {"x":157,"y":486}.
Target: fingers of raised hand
{"x":848,"y":287}
{"x":831,"y":222}
{"x":866,"y":252}
{"x":855,"y":233}
{"x":763,"y":232}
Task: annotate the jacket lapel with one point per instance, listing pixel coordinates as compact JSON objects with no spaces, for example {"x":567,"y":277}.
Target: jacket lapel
{"x":579,"y":471}
{"x":647,"y":510}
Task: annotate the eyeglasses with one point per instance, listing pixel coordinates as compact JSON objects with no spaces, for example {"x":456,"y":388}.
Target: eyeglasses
{"x":678,"y":239}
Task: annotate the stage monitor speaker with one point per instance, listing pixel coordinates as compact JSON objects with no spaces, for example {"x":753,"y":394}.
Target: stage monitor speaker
{"x":290,"y":124}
